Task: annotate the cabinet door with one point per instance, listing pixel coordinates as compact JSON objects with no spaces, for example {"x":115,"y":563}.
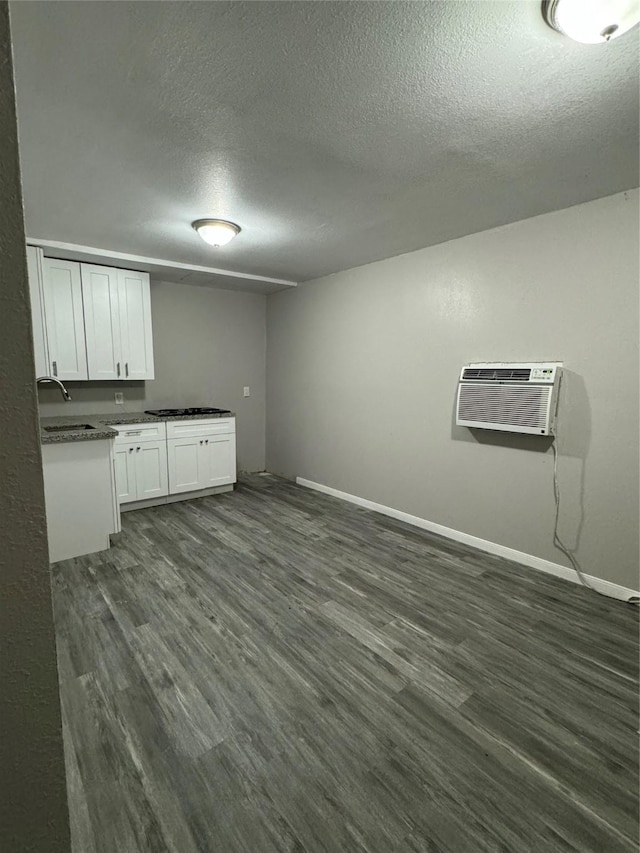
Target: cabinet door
{"x":102,"y":321}
{"x":218,"y":455}
{"x":64,"y":322}
{"x":135,"y":324}
{"x":151,"y":469}
{"x":126,"y":484}
{"x":34,"y":266}
{"x":184,"y":464}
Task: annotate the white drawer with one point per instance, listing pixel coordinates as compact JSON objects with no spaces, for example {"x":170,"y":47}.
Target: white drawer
{"x":183,"y":429}
{"x":140,"y":432}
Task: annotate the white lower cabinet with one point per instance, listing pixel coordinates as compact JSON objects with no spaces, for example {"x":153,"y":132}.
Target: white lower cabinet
{"x":151,"y":470}
{"x":219,"y":460}
{"x":202,"y":454}
{"x":141,"y":462}
{"x":141,"y":471}
{"x":201,"y":462}
{"x":195,"y":455}
{"x":183,"y":456}
{"x":125,"y":474}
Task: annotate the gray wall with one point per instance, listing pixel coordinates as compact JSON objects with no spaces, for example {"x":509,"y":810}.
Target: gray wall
{"x":33,"y":801}
{"x":208,"y":344}
{"x":362,"y":369}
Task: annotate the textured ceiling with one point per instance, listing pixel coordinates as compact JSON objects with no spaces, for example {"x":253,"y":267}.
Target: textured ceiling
{"x":334,"y":133}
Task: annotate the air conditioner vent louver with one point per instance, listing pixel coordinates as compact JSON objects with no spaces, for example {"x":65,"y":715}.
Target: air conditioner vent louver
{"x":520,"y":406}
{"x":504,"y":374}
{"x":509,"y":397}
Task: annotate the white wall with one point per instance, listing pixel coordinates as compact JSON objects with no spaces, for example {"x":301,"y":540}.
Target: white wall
{"x":362,"y":369}
{"x":208,"y":344}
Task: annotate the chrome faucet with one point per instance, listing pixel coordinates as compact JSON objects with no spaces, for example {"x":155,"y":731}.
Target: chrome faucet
{"x":66,"y":396}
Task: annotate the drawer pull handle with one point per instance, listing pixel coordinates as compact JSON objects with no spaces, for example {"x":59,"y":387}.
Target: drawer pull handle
{"x":133,"y":432}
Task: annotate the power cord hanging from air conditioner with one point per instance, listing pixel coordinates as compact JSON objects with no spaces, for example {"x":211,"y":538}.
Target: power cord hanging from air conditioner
{"x":557,"y":541}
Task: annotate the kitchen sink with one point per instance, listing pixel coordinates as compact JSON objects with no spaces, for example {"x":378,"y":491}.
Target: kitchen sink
{"x":68,"y":428}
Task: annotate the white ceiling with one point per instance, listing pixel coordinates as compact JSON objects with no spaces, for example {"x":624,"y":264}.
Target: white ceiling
{"x":334,"y":133}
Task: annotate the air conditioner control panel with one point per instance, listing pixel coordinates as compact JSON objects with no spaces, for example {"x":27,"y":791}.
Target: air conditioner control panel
{"x":543,"y":374}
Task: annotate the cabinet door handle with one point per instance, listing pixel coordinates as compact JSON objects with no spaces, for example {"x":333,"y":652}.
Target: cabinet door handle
{"x":201,"y":441}
{"x":118,"y":370}
{"x":131,"y":450}
{"x":126,"y":369}
{"x":206,"y":441}
{"x":54,"y":364}
{"x":137,"y":449}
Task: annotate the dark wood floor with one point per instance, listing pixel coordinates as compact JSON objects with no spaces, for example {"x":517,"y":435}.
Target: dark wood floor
{"x":274,"y":670}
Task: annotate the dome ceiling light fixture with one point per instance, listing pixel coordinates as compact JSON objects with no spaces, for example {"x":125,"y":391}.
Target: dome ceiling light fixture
{"x":217,"y":232}
{"x":591,"y":21}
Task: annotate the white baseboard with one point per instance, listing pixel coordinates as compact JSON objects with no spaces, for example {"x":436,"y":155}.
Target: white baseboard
{"x":613,"y":590}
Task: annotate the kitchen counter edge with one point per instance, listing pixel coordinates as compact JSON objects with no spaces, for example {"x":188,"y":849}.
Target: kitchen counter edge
{"x":102,"y":424}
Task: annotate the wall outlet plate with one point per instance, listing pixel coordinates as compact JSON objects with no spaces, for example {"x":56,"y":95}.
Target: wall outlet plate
{"x":246,"y":391}
{"x":119,"y":398}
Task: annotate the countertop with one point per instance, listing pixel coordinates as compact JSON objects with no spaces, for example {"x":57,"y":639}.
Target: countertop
{"x":102,"y":424}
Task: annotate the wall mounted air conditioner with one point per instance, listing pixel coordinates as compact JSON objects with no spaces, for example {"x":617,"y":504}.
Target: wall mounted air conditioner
{"x":510,"y":397}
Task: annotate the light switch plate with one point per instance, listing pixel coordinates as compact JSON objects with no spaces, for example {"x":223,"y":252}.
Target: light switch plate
{"x":119,"y":398}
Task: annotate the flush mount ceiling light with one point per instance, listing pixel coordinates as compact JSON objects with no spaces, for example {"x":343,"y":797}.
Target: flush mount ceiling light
{"x":591,"y":21}
{"x":217,"y":232}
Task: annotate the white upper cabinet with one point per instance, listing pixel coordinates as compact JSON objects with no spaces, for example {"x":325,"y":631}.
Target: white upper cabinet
{"x":64,"y":321}
{"x":102,"y":321}
{"x":34,"y":266}
{"x":135,"y":324}
{"x":117,"y":309}
{"x":89,"y":321}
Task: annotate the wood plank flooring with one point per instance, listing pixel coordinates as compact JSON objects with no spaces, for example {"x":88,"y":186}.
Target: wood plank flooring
{"x":275,"y":671}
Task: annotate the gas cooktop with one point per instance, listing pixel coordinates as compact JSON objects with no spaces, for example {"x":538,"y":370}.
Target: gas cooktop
{"x":176,"y":413}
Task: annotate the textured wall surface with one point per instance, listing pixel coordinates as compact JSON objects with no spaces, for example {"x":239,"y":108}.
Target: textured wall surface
{"x":362,"y":369}
{"x":33,"y":801}
{"x":334,"y":133}
{"x":208,"y":344}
